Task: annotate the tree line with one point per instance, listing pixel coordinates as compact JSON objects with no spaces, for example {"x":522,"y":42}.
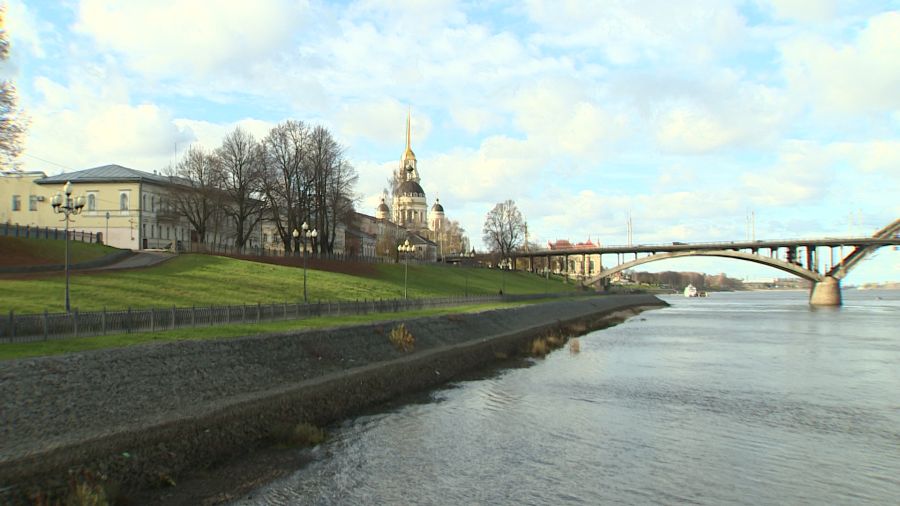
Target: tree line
{"x":296,"y":174}
{"x":679,"y":280}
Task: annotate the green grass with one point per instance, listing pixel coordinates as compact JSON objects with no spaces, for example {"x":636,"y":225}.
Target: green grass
{"x":49,"y":251}
{"x":9,"y":351}
{"x":202,"y":280}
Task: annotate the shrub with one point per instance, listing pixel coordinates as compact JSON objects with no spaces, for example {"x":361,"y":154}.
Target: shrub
{"x":402,"y":338}
{"x":302,"y":434}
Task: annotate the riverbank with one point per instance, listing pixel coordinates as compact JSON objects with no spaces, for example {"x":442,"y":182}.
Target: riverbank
{"x":140,"y":418}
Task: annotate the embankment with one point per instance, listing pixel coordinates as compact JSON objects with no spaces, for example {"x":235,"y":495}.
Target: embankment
{"x":140,"y":416}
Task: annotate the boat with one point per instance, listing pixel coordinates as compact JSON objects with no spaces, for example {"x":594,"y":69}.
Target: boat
{"x":691,"y":291}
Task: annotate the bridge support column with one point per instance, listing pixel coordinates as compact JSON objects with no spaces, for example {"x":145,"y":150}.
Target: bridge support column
{"x":826,"y":292}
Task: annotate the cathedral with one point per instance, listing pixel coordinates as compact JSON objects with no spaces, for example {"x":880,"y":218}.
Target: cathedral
{"x":409,"y":206}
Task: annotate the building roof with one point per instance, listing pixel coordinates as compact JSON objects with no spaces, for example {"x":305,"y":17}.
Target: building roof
{"x":383,"y":207}
{"x":411,"y":187}
{"x":437,"y":207}
{"x":417,"y":240}
{"x":354,"y":232}
{"x":106,"y":174}
{"x":565,"y":244}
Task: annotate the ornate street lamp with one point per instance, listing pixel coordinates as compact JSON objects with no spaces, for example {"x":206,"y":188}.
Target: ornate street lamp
{"x":307,"y":235}
{"x":468,"y":255}
{"x":67,"y":206}
{"x":504,"y":264}
{"x":406,"y":248}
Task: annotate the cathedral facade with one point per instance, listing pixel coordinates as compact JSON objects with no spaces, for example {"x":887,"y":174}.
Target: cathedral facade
{"x":409,"y":205}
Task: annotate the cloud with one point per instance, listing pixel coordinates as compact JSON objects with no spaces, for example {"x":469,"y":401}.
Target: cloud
{"x":556,"y":115}
{"x":857,"y":77}
{"x":804,"y":10}
{"x":383,"y":122}
{"x":83,"y":126}
{"x":723,"y":112}
{"x":166,"y":38}
{"x":630,"y":32}
{"x":210,"y":135}
{"x":802,"y":176}
{"x":24,"y":30}
{"x":475,"y":120}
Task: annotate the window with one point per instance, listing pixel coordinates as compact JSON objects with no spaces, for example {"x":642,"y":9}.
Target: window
{"x":92,"y":202}
{"x":17,"y":203}
{"x":152,"y":204}
{"x":32,"y":202}
{"x":144,"y":207}
{"x":123,"y":202}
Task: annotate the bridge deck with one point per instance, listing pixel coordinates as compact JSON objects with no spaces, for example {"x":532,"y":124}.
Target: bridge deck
{"x":711,"y":246}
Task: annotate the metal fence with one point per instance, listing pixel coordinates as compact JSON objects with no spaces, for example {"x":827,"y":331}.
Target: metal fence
{"x":45,"y":326}
{"x":29,"y":232}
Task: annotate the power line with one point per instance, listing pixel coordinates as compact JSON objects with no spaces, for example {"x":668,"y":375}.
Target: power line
{"x":48,"y":161}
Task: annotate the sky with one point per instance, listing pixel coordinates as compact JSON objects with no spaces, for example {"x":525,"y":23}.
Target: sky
{"x":687,"y":116}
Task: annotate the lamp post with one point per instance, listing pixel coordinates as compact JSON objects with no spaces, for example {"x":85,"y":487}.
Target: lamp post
{"x":503,"y":265}
{"x":406,"y":248}
{"x":106,"y":237}
{"x":307,"y":235}
{"x":67,"y":206}
{"x":468,"y":255}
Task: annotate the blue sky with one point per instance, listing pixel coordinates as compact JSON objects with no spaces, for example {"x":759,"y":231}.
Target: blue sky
{"x":688,"y":115}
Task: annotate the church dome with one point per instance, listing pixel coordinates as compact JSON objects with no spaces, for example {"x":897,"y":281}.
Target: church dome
{"x":437,"y":207}
{"x":411,"y":187}
{"x":383,"y":207}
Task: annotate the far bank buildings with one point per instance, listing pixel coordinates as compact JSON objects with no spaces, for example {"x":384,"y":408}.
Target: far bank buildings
{"x":133,"y":209}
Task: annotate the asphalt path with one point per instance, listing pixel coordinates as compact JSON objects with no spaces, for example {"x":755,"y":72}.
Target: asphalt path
{"x":140,"y":259}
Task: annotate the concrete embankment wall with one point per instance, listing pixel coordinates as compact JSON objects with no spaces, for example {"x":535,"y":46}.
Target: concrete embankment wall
{"x":139,"y":416}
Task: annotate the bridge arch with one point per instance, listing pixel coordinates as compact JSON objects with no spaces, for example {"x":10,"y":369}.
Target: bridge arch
{"x":790,"y":268}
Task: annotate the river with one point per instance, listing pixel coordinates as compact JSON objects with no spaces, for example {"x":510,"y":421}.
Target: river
{"x":738,"y":398}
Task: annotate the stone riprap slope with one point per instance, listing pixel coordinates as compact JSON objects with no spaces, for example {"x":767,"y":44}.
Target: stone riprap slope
{"x":156,"y":409}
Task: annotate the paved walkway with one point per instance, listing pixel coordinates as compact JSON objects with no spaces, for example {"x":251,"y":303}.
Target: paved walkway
{"x":141,"y":259}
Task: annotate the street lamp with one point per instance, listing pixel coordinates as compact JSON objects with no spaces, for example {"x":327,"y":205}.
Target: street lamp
{"x":106,"y":237}
{"x":307,"y":235}
{"x":67,"y":206}
{"x":468,"y":255}
{"x":406,"y":248}
{"x":503,"y":265}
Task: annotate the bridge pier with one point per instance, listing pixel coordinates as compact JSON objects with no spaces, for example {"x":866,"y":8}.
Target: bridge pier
{"x":826,"y":292}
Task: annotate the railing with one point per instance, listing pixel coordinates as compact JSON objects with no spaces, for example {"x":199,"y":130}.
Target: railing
{"x":29,"y":232}
{"x":45,"y":326}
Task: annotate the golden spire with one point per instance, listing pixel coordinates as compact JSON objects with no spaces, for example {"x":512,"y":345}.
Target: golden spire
{"x":408,"y":155}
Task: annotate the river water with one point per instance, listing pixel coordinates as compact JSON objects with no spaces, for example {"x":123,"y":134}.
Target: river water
{"x":738,"y":398}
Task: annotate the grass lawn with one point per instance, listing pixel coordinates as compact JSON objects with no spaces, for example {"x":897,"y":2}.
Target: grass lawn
{"x":9,"y":351}
{"x":17,"y":251}
{"x":203,"y":280}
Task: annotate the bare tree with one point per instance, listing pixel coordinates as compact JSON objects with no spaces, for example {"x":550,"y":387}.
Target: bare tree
{"x":504,"y":228}
{"x":195,"y":191}
{"x":12,"y":124}
{"x":286,"y":178}
{"x":325,"y":156}
{"x":341,"y":199}
{"x":240,"y":158}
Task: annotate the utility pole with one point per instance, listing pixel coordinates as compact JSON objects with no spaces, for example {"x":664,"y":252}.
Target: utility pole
{"x":753,"y":225}
{"x":629,"y":230}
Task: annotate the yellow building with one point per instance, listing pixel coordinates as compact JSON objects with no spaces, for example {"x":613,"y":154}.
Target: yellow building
{"x":127,"y":208}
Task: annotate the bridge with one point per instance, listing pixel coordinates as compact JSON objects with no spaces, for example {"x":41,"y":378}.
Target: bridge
{"x":821,"y":261}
